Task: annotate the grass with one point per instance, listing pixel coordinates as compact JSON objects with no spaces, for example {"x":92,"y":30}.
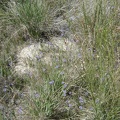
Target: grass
{"x":76,"y":86}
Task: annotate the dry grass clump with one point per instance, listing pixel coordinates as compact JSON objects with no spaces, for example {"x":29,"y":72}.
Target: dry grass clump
{"x":59,"y":49}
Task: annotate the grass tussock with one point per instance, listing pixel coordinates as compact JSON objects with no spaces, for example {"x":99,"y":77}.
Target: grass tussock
{"x":60,"y":83}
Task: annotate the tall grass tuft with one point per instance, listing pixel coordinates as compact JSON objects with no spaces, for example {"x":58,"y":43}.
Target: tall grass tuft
{"x":34,"y":15}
